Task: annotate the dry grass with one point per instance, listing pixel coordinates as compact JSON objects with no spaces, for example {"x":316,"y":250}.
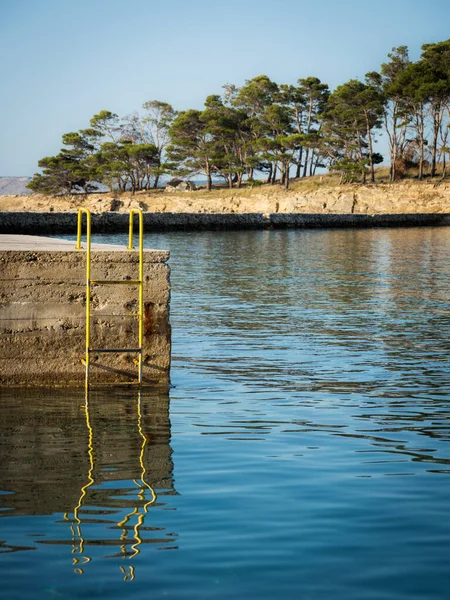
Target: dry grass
{"x":303,"y":185}
{"x":307,"y":184}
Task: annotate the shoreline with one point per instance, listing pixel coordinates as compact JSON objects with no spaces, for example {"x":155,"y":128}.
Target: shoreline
{"x":309,"y":204}
{"x":307,"y":197}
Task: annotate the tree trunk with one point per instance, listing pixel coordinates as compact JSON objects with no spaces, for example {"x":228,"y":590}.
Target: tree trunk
{"x":305,"y":166}
{"x":286,"y":176}
{"x":308,"y":129}
{"x":311,"y":163}
{"x":316,"y":163}
{"x":421,"y":142}
{"x":436,"y":126}
{"x":274,"y":174}
{"x":392,"y":136}
{"x":269,"y":176}
{"x":299,"y":163}
{"x":421,"y":158}
{"x":369,"y":139}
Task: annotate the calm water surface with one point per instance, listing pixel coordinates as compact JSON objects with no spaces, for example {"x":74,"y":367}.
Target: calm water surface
{"x":303,"y":451}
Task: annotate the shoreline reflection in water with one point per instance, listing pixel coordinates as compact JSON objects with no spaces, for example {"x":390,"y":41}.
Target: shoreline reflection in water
{"x":121,"y":464}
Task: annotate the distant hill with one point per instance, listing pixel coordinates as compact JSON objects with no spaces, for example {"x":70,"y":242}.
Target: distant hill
{"x":14,"y":185}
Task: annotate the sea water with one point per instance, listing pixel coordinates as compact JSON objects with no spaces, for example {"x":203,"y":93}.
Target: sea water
{"x":302,"y":450}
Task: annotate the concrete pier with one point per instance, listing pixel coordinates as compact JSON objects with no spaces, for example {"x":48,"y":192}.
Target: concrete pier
{"x":42,"y":313}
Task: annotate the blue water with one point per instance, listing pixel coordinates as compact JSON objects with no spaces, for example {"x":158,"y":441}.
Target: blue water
{"x":302,"y":452}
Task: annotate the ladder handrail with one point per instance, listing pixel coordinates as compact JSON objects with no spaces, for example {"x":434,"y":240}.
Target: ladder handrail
{"x":138,"y":211}
{"x":87,"y":212}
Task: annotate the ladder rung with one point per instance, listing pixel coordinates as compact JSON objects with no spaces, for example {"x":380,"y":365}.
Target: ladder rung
{"x":98,"y":350}
{"x":119,"y":383}
{"x":100,"y":315}
{"x":116,"y":282}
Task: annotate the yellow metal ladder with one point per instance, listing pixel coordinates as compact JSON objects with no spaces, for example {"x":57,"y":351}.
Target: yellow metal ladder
{"x":90,"y":283}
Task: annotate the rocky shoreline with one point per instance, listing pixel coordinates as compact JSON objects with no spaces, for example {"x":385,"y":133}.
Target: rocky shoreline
{"x":312,"y":203}
{"x":318,"y":196}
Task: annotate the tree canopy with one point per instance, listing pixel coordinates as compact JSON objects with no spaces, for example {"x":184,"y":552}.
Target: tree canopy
{"x":269,"y":131}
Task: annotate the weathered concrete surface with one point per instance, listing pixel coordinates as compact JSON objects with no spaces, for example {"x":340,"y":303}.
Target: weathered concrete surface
{"x":110,"y":222}
{"x":42,"y":313}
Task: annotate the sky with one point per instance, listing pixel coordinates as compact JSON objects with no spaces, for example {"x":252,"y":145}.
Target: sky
{"x":62,"y":61}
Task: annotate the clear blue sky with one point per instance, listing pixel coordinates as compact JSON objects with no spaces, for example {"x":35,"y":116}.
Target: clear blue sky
{"x":64,"y":60}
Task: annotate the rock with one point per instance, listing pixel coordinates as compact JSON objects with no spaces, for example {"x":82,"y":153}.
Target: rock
{"x":178,"y":185}
{"x":115,"y":205}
